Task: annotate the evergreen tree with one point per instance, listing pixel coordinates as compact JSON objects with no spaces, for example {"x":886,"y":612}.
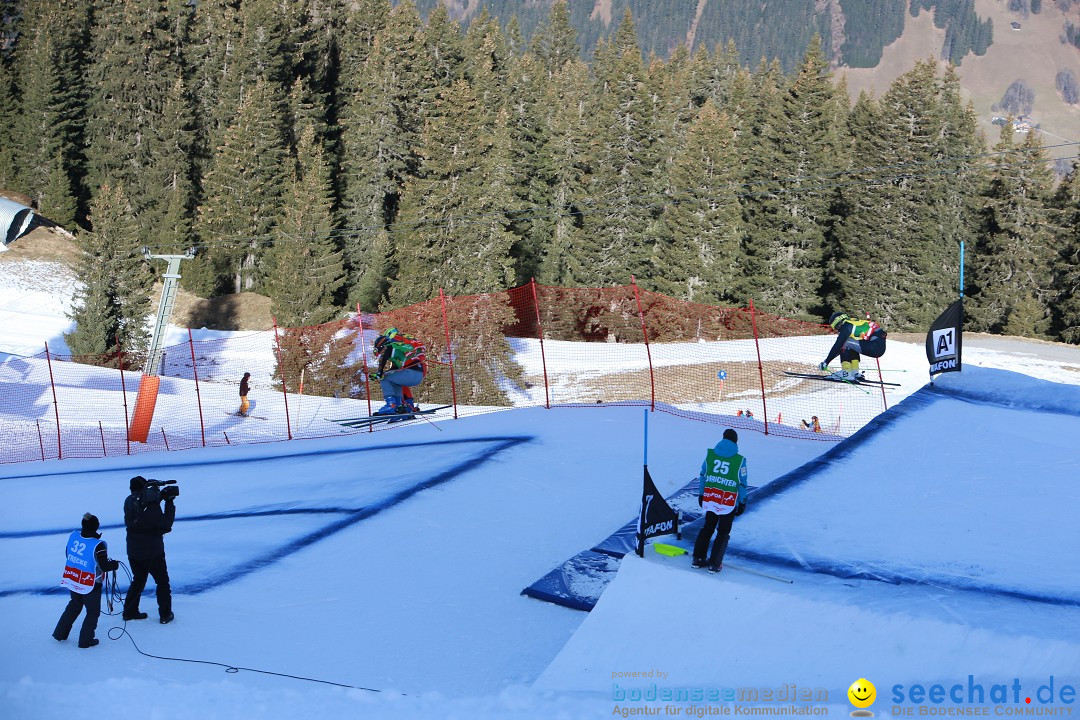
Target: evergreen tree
{"x":1010,"y":279}
{"x":9,"y":117}
{"x":48,"y":156}
{"x":381,"y":119}
{"x":555,"y":42}
{"x":905,"y":202}
{"x":1067,"y":266}
{"x":620,"y":227}
{"x":532,"y":168}
{"x":453,"y":229}
{"x":700,"y":257}
{"x":566,"y":147}
{"x":304,"y":268}
{"x":134,"y":70}
{"x":243,"y":197}
{"x":216,"y":34}
{"x":113,"y":301}
{"x":168,"y":224}
{"x":799,"y":151}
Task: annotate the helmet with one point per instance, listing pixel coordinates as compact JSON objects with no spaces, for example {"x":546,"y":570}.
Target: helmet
{"x":387,"y":336}
{"x":837,"y":318}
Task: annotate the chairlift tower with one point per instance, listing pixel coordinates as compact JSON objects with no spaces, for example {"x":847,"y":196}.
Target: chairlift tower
{"x":165,"y":306}
{"x":148,"y":385}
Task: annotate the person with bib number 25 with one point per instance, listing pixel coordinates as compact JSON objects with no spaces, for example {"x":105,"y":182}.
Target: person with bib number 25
{"x":722,"y":496}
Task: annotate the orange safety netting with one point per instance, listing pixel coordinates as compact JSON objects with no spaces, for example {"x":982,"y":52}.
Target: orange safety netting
{"x":524,"y":347}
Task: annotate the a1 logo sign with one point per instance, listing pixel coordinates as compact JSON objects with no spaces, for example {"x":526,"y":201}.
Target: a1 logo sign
{"x":944,"y":343}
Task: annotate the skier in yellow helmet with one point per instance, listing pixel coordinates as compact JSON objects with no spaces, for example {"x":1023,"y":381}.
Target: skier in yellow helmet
{"x":854,"y":338}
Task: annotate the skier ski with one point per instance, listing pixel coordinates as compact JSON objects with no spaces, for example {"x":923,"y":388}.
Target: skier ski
{"x":854,"y":338}
{"x":722,"y":496}
{"x":401,"y":366}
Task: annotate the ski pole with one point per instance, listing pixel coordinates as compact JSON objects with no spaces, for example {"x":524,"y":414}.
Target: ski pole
{"x":757,"y":572}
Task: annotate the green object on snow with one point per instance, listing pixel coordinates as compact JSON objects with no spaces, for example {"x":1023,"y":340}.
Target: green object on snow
{"x":665,"y":549}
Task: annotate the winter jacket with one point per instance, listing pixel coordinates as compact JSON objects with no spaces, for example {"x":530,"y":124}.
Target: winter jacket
{"x":146,"y":526}
{"x":723,"y":479}
{"x":853,"y":330}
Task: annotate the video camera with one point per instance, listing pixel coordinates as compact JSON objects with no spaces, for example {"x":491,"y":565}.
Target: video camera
{"x":161,"y":490}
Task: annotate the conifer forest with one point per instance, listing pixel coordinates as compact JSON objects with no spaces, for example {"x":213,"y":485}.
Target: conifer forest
{"x":326,"y":153}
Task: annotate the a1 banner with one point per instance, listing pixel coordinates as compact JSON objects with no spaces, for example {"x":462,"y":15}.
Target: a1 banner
{"x":945,"y":340}
{"x":657,"y":517}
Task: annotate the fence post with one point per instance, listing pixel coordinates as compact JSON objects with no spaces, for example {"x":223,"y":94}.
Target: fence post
{"x":281,"y":372}
{"x":198,"y":397}
{"x":760,"y":369}
{"x":123,"y":393}
{"x":101,"y":430}
{"x":449,"y":352}
{"x":543,"y":358}
{"x":645,"y":333}
{"x":40,"y":439}
{"x":56,"y":405}
{"x":363,"y":364}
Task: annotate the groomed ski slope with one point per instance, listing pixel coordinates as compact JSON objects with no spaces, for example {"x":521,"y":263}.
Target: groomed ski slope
{"x":394,"y":564}
{"x":966,"y":511}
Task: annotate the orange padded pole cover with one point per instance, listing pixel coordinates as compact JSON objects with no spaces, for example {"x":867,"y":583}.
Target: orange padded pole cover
{"x":144,"y":408}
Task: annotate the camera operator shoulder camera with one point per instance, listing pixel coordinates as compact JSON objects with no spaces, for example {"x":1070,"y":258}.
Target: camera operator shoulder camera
{"x":143,"y":513}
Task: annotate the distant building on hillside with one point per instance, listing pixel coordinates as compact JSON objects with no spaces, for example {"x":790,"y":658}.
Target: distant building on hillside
{"x":1021,"y":123}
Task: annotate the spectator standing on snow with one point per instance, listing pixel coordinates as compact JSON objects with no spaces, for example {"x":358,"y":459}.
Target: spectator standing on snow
{"x":244,"y":388}
{"x":722,"y":495}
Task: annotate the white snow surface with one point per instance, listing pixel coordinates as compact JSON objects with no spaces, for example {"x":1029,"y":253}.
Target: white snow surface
{"x":379,"y":576}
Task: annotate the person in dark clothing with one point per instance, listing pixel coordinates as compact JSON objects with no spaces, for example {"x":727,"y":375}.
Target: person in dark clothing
{"x":244,"y":404}
{"x":146,"y":525}
{"x":722,"y":496}
{"x":854,"y":338}
{"x":84,"y":575}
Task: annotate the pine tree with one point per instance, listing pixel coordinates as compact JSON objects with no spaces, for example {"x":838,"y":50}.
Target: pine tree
{"x":566,"y":148}
{"x":9,"y":117}
{"x":905,"y":202}
{"x":381,"y":119}
{"x":620,"y":227}
{"x":113,"y":302}
{"x":799,"y":150}
{"x":1067,"y":266}
{"x":168,"y":224}
{"x":304,"y":268}
{"x":700,"y":257}
{"x":555,"y":42}
{"x":1010,"y":279}
{"x":216,"y":34}
{"x":49,"y":162}
{"x":134,"y":70}
{"x":243,"y":197}
{"x":532,"y":167}
{"x":453,"y":229}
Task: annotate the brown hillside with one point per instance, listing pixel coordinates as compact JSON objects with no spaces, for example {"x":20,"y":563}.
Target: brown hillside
{"x":1033,"y":53}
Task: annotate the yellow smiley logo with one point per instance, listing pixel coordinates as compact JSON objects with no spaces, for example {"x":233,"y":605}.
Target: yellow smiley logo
{"x":862,"y":693}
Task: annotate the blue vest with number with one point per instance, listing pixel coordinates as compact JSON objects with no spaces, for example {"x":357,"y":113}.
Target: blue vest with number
{"x":81,"y":569}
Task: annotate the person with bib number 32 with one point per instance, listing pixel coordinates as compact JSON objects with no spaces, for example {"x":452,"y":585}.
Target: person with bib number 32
{"x":722,"y":496}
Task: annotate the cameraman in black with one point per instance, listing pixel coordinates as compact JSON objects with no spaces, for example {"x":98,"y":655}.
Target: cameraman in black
{"x":146,"y":525}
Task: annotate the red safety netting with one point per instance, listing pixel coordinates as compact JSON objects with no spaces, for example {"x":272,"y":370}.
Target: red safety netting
{"x":528,"y":346}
